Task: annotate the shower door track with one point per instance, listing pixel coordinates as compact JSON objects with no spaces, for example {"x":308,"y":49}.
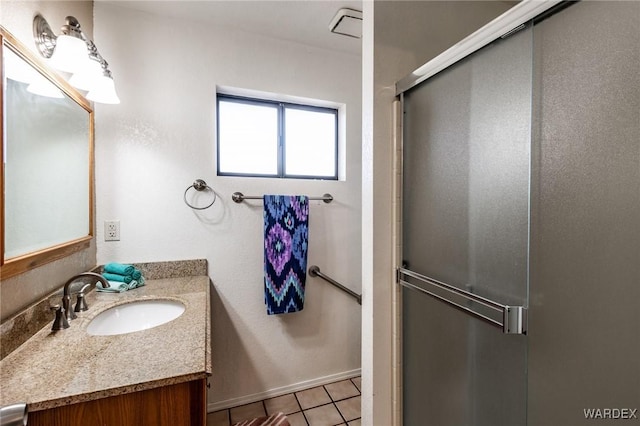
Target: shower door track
{"x":502,"y":26}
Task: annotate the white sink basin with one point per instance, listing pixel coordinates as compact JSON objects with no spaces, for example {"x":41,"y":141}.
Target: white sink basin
{"x":135,"y":316}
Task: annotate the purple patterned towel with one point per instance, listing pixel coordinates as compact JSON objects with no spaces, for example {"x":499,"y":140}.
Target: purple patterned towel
{"x":286,"y":231}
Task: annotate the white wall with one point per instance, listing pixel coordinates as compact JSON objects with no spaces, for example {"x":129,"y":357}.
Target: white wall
{"x":153,"y":145}
{"x":399,"y":37}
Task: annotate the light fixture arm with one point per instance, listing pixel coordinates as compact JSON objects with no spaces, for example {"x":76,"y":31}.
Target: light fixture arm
{"x":94,"y":55}
{"x":71,"y":27}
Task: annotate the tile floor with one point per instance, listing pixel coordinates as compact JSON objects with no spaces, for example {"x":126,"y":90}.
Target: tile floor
{"x":329,"y":405}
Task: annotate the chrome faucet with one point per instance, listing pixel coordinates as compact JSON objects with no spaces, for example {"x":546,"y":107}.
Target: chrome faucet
{"x":68,"y":312}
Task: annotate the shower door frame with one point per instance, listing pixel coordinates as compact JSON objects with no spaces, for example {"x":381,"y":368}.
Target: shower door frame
{"x":511,"y":21}
{"x":502,"y":26}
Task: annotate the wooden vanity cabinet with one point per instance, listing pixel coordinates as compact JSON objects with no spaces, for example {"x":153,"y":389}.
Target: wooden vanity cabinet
{"x":182,"y":404}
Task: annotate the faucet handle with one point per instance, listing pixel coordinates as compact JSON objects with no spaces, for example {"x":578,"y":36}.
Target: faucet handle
{"x":67,"y":308}
{"x":81,"y":303}
{"x":60,"y":322}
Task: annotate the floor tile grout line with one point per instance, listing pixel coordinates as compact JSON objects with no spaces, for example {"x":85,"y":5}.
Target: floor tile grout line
{"x":342,"y":399}
{"x":345,"y":398}
{"x":304,"y":416}
{"x":344,"y":421}
{"x":334,"y":404}
{"x":297,"y":402}
{"x":301,"y":410}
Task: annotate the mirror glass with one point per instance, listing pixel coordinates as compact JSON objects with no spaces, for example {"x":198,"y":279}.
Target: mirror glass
{"x":47,"y":161}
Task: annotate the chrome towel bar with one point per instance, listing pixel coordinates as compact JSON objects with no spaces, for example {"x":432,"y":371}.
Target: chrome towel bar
{"x":239,"y":197}
{"x":514,"y":318}
{"x":314,"y":271}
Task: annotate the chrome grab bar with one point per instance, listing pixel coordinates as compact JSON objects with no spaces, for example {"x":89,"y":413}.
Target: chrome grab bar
{"x":514,"y":318}
{"x":314,"y":271}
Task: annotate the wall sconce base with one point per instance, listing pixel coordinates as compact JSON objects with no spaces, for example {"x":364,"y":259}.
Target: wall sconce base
{"x":44,"y":38}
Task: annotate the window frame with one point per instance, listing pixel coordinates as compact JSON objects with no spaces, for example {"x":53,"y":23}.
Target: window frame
{"x":281,"y":106}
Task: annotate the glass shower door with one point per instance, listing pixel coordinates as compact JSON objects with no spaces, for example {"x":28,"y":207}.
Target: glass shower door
{"x":466,"y":171}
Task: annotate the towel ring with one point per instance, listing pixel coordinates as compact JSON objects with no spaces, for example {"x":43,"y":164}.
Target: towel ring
{"x":200,"y":185}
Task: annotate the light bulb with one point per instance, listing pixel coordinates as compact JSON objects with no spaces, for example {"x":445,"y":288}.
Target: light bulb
{"x":88,"y":77}
{"x":104,"y":91}
{"x":70,"y":54}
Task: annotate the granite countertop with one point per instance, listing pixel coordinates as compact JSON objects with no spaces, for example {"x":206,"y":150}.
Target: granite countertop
{"x":52,"y":369}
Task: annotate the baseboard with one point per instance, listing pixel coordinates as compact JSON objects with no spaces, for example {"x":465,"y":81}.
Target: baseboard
{"x":272,"y":393}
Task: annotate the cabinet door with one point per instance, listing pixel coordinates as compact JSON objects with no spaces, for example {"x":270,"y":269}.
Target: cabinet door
{"x":182,"y":404}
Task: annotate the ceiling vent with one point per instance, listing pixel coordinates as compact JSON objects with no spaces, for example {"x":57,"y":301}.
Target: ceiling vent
{"x":347,"y":22}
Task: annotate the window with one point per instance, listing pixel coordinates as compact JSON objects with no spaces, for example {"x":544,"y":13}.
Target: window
{"x":266,"y":138}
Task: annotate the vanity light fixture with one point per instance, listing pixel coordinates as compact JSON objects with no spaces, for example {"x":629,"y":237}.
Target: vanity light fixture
{"x":74,"y":53}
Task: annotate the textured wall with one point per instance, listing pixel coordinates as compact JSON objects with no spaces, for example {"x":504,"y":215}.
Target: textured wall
{"x":153,"y":145}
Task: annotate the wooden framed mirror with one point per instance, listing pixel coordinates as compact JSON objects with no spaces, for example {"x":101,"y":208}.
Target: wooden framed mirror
{"x":47,"y":167}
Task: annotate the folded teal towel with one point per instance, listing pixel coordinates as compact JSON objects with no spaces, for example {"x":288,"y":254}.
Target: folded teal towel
{"x":117,"y":277}
{"x":135,"y":284}
{"x":136,"y":274}
{"x":115,"y":287}
{"x":119,"y":268}
{"x":139,"y":282}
